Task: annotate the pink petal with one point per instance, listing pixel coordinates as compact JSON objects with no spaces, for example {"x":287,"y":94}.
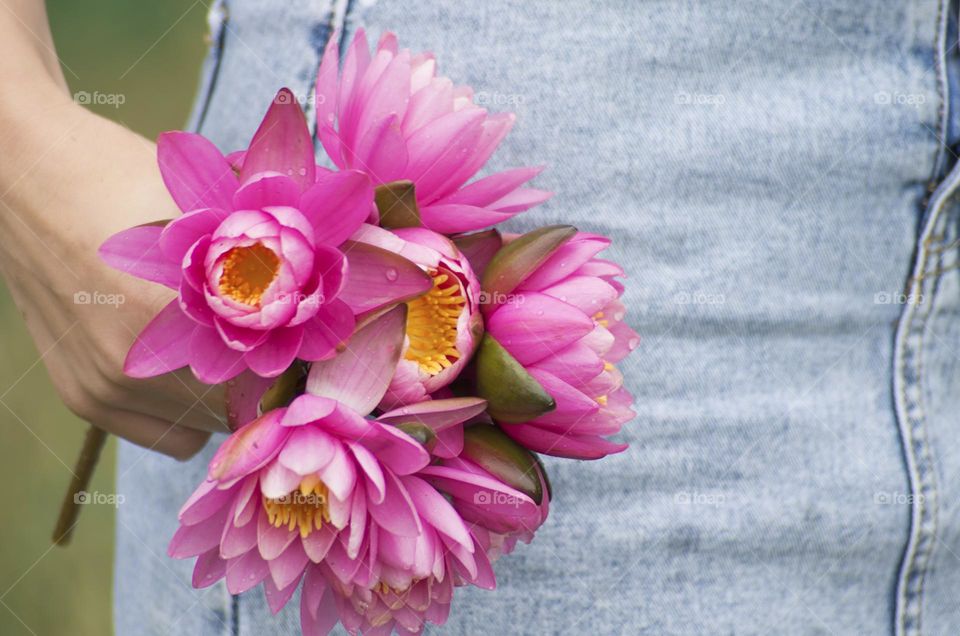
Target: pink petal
{"x":318,"y":613}
{"x":267,"y":189}
{"x":239,"y":338}
{"x":209,"y":569}
{"x":277,"y":480}
{"x":485,"y":191}
{"x":377,"y":278}
{"x":180,"y":234}
{"x":455,"y":218}
{"x":308,"y":450}
{"x":195,"y":172}
{"x":238,"y":540}
{"x":326,"y":98}
{"x":396,"y":513}
{"x":274,"y":356}
{"x":429,"y":103}
{"x":382,"y":151}
{"x":194,"y":304}
{"x":520,"y":200}
{"x":246,"y":572}
{"x":371,"y":469}
{"x":449,"y":442}
{"x":340,"y":564}
{"x":387,"y":95}
{"x":625,"y":341}
{"x":339,"y":474}
{"x":358,"y":521}
{"x":282,"y":143}
{"x":204,"y":502}
{"x":436,"y":148}
{"x":243,"y":395}
{"x":497,"y":500}
{"x":533,"y":326}
{"x":137,"y":251}
{"x":494,"y":129}
{"x":211,"y":360}
{"x":273,"y":540}
{"x":317,"y":543}
{"x":337,"y":204}
{"x":562,"y":444}
{"x":396,"y":450}
{"x":332,"y":325}
{"x":587,"y":293}
{"x":162,"y":346}
{"x":567,"y":258}
{"x":437,"y":414}
{"x":288,"y":567}
{"x":574,"y":365}
{"x":306,"y":409}
{"x":331,"y":264}
{"x":249,"y":448}
{"x":437,"y":511}
{"x":572,"y":404}
{"x":277,"y":598}
{"x":359,"y":376}
{"x":194,"y":540}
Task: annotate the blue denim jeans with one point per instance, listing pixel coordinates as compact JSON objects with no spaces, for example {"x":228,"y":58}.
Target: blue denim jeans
{"x":778,"y":182}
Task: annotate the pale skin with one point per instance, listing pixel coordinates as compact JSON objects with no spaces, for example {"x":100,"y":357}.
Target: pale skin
{"x":68,"y":180}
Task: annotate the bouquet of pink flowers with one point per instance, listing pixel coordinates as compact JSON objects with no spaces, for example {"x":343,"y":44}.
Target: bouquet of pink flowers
{"x":393,"y":365}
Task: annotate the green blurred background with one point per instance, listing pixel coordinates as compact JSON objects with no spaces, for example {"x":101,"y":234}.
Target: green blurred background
{"x":150,"y":53}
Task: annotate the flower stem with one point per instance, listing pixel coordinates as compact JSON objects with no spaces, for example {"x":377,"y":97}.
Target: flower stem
{"x":82,"y":473}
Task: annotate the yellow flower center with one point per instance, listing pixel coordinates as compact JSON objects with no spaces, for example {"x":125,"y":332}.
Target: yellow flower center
{"x":432,"y":323}
{"x":247,"y":272}
{"x":304,"y":508}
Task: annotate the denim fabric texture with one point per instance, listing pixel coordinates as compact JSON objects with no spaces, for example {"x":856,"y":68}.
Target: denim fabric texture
{"x":778,"y":183}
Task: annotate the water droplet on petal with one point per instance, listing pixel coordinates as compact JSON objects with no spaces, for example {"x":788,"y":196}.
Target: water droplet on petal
{"x":633,"y":342}
{"x":391,"y":273}
{"x":302,"y":172}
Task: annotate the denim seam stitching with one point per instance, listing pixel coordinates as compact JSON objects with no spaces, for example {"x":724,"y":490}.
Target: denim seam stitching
{"x":939,"y":62}
{"x":912,"y":422}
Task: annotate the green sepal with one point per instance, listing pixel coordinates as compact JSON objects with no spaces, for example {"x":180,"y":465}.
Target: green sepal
{"x":512,"y":394}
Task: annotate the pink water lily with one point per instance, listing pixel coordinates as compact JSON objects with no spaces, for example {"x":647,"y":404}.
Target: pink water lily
{"x":564,"y":324}
{"x":317,"y":488}
{"x":390,"y":115}
{"x":443,"y":326}
{"x":258,"y":257}
{"x":410,"y":581}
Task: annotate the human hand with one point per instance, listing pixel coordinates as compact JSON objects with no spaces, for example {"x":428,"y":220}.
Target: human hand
{"x":68,"y":180}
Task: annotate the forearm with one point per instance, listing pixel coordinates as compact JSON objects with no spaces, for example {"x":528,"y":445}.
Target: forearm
{"x":27,"y":52}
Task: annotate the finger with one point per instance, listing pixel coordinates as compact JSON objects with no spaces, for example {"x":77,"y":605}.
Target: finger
{"x":153,"y":433}
{"x":169,"y":398}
